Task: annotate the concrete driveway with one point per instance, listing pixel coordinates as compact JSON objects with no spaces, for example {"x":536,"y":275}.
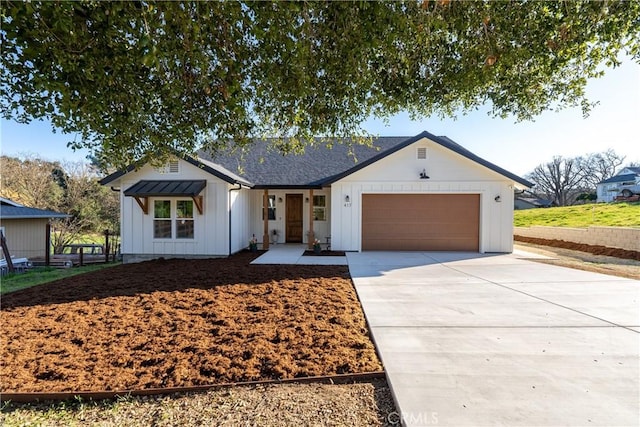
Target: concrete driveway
{"x":472,"y":339}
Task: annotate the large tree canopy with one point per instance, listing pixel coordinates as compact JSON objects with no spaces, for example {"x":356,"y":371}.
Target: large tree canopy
{"x":140,"y":79}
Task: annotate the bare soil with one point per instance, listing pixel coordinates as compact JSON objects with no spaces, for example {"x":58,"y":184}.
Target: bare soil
{"x":593,"y":249}
{"x":175,"y":323}
{"x":604,"y":264}
{"x":323,"y":253}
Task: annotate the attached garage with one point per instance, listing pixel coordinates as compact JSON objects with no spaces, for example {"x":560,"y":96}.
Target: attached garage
{"x":420,"y":222}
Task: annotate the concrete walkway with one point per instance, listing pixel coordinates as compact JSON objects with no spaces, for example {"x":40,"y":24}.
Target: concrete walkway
{"x":472,"y":339}
{"x":292,"y":254}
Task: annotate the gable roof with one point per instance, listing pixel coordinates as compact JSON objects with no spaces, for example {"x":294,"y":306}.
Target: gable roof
{"x":268,"y":168}
{"x":320,"y":166}
{"x":620,"y":178}
{"x":264,"y":167}
{"x":634,"y":169}
{"x":206,"y":165}
{"x":22,"y":212}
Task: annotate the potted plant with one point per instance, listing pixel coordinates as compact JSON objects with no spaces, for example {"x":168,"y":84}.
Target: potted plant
{"x":316,"y":247}
{"x":253,"y":244}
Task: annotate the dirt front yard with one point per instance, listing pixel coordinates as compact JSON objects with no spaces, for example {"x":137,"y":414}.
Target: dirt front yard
{"x":174,"y":323}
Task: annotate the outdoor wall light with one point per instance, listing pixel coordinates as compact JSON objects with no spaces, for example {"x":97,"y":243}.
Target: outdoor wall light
{"x":346,"y":199}
{"x":497,"y":198}
{"x":423,"y":174}
{"x":279,"y":199}
{"x":306,"y":199}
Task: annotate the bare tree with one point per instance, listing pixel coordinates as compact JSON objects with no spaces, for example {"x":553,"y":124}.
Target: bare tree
{"x":564,"y":179}
{"x":597,"y":167}
{"x":560,"y":179}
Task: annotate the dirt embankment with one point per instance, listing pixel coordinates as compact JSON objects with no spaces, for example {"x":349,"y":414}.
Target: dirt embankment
{"x":593,"y":249}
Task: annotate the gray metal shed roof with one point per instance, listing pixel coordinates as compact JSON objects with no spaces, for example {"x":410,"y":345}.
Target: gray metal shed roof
{"x":23,"y":212}
{"x":166,"y":188}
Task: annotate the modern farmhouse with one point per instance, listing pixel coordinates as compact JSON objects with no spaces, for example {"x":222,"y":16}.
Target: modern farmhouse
{"x":402,"y":193}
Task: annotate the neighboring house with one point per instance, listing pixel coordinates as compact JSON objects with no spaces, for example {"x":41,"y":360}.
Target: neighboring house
{"x":530,"y":201}
{"x":608,"y":189}
{"x":25,"y":228}
{"x":403,"y":193}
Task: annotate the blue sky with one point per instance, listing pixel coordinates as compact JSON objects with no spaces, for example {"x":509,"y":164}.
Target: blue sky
{"x":517,"y":147}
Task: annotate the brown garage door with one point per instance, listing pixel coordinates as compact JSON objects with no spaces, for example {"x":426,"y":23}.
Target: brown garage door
{"x":420,"y":222}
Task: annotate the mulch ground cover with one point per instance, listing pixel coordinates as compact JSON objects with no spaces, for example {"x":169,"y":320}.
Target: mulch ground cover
{"x":582,"y":247}
{"x":175,"y":323}
{"x":323,"y":253}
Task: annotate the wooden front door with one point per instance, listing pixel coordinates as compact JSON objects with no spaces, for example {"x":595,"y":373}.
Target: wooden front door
{"x":294,"y":218}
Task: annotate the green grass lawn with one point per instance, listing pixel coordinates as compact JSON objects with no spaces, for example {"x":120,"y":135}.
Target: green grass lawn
{"x":40,"y":275}
{"x":602,"y":214}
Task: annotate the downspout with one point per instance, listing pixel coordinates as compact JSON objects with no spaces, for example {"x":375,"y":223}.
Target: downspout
{"x":229,"y":203}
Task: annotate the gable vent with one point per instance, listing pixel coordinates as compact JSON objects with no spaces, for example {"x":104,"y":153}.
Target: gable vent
{"x":170,"y":167}
{"x":422,"y":153}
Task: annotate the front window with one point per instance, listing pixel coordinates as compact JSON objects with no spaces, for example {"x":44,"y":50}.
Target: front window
{"x":184,"y":219}
{"x":167,"y":213}
{"x":271,"y":209}
{"x":319,"y":208}
{"x":162,"y":219}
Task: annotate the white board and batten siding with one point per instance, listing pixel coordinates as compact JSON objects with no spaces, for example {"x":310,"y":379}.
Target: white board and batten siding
{"x":211,"y":228}
{"x":240,"y":201}
{"x":449,"y":173}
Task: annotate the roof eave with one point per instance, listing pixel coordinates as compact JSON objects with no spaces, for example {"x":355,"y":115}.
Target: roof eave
{"x":35,"y":216}
{"x":287,"y":187}
{"x":120,"y":173}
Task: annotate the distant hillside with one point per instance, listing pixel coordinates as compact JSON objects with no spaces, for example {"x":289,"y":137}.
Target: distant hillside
{"x":610,"y":214}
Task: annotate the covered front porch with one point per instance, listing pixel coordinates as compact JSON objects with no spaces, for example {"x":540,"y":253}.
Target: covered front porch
{"x":291,"y":215}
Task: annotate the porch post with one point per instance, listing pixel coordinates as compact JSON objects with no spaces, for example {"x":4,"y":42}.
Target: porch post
{"x":265,"y":213}
{"x":312,"y":236}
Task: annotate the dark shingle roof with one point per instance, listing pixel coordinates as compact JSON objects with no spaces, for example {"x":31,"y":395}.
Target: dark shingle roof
{"x":267,"y":167}
{"x":22,"y":212}
{"x":320,"y":165}
{"x":619,"y":178}
{"x":536,"y":201}
{"x":262,"y":166}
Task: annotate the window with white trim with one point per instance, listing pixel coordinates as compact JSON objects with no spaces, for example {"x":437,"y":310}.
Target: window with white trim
{"x":173,"y":218}
{"x":162,"y":219}
{"x":184,"y":219}
{"x":271,"y":208}
{"x":319,"y":208}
